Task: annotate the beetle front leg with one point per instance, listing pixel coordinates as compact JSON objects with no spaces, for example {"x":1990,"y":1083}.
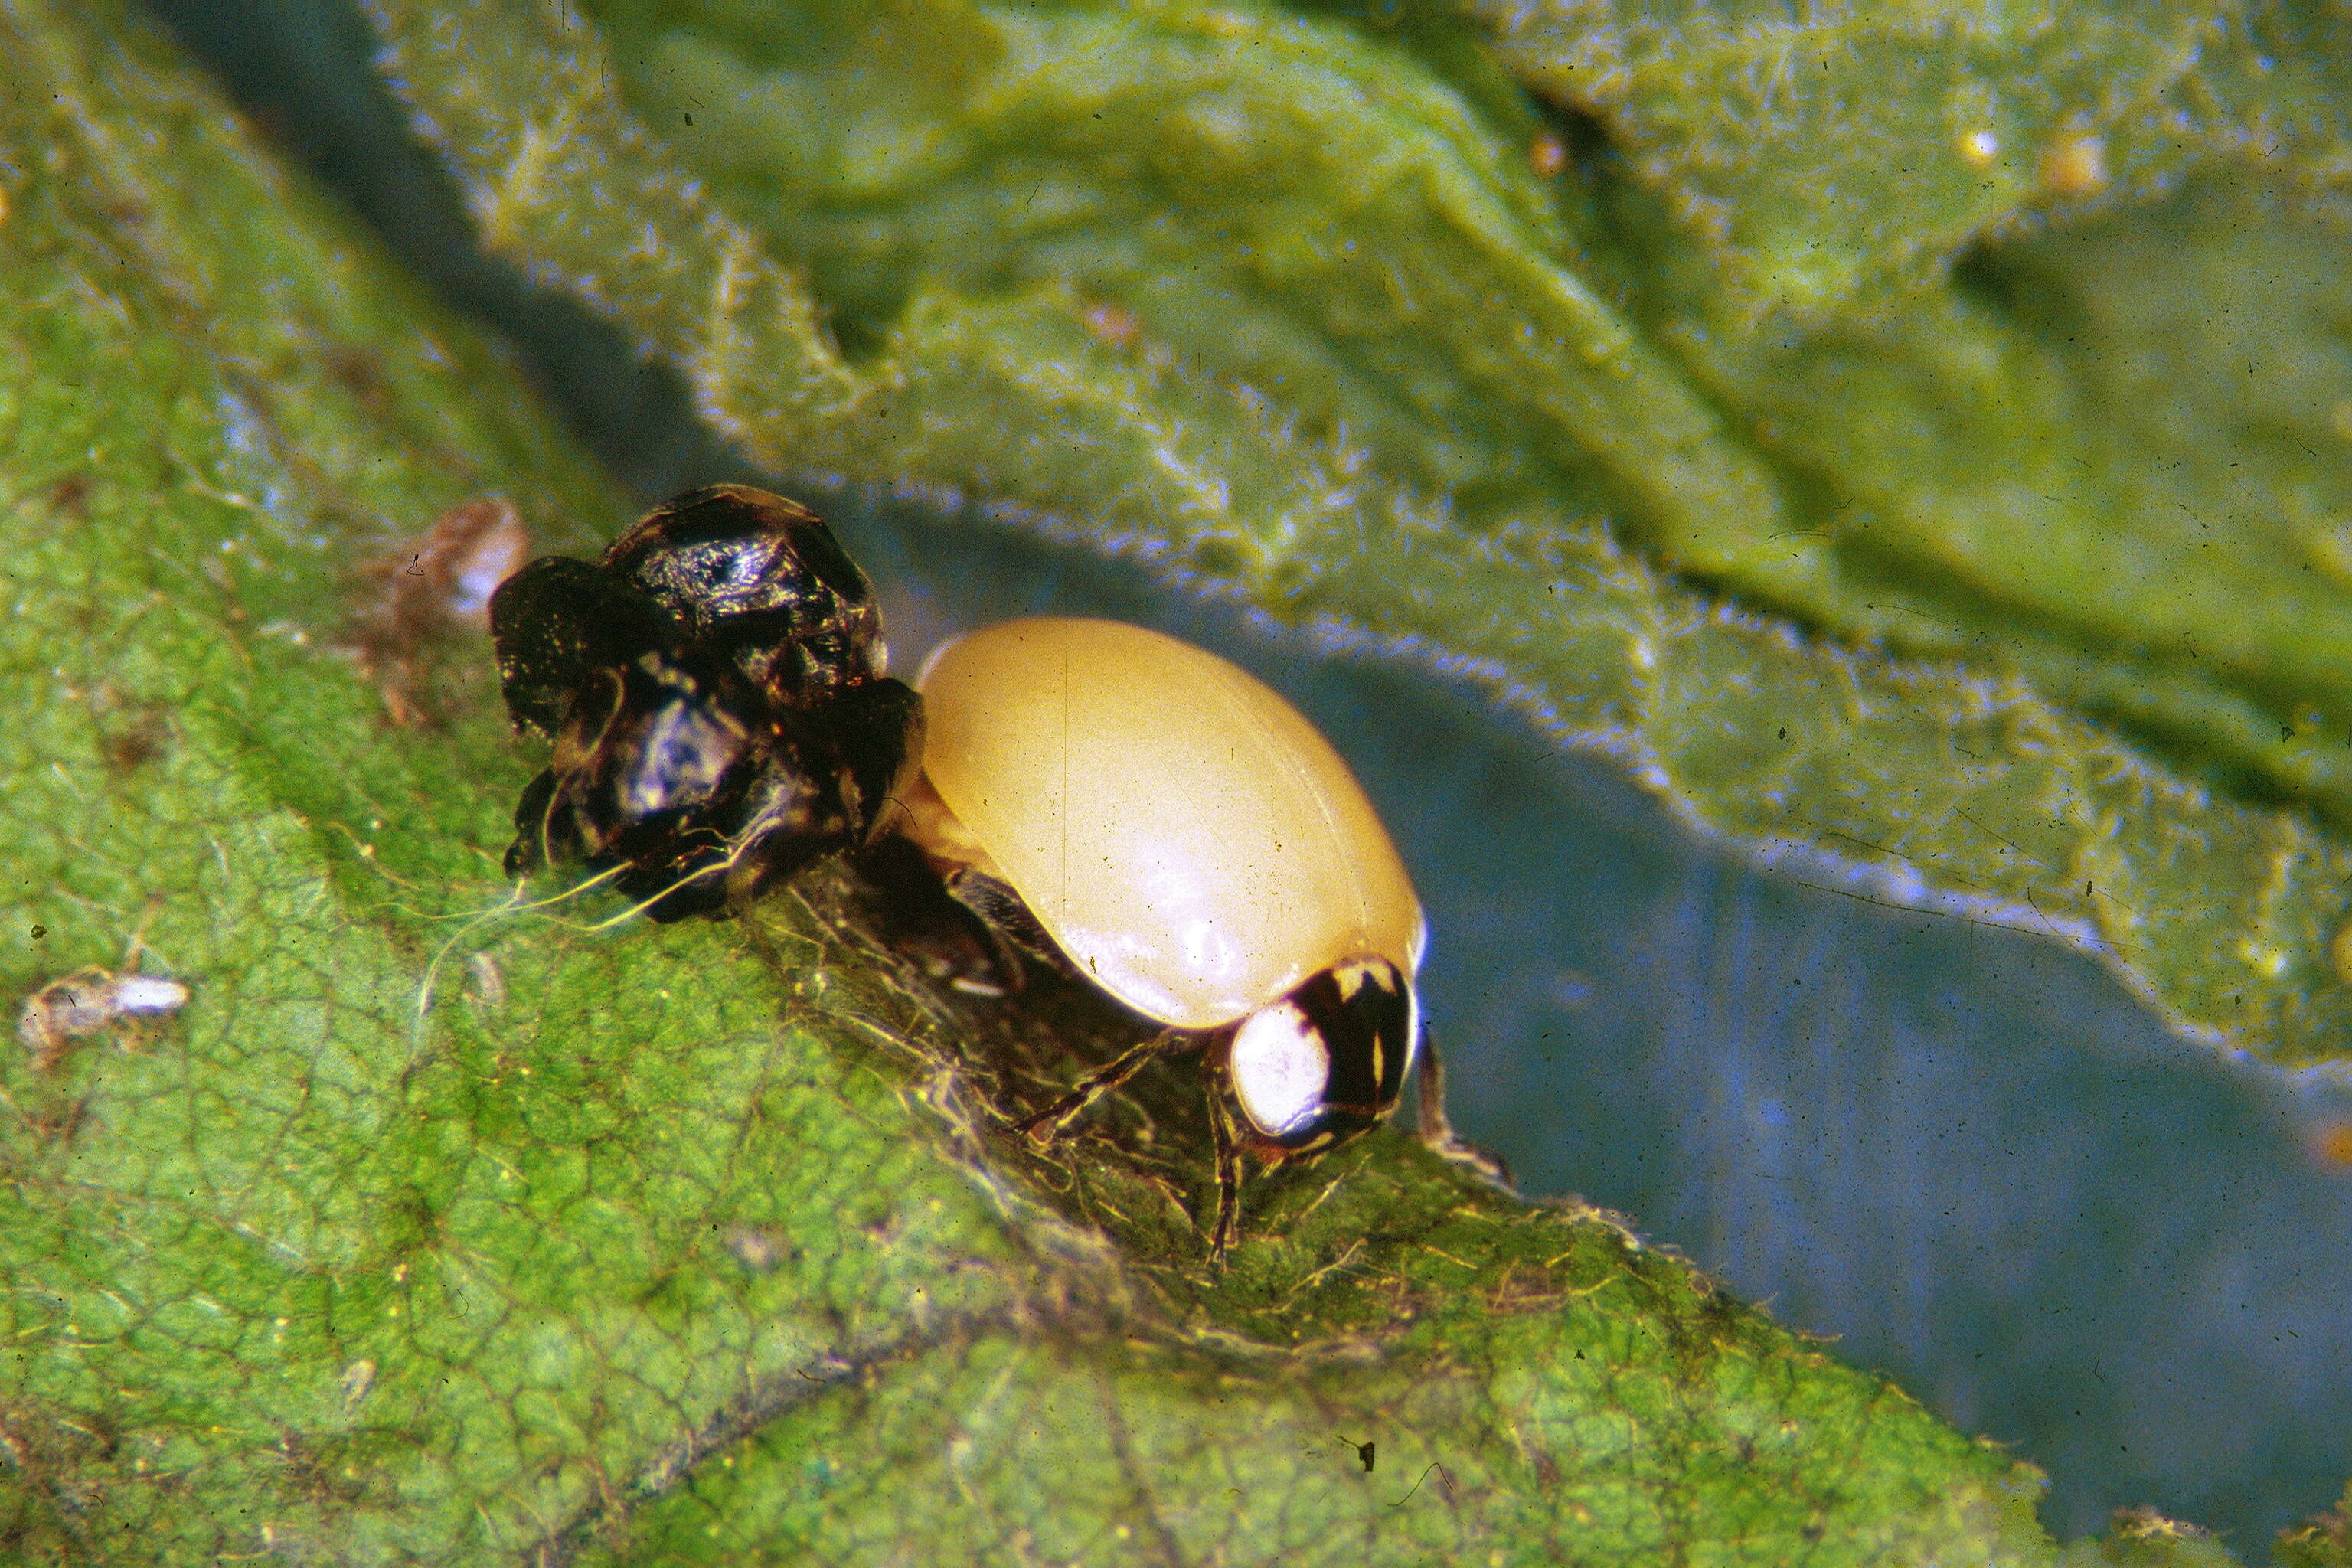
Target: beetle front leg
{"x":1436,"y":1129}
{"x":1050,"y":1123}
{"x":1229,"y":1167}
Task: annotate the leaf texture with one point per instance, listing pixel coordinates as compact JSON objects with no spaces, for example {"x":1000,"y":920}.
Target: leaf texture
{"x":438,"y":1226}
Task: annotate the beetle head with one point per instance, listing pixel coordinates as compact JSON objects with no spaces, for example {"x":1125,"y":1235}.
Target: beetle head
{"x":1328,"y":1061}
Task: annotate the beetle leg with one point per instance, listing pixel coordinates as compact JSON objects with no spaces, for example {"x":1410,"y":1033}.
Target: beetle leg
{"x":1436,"y":1131}
{"x":1002,"y":918}
{"x":1009,"y":923}
{"x":1229,"y":1167}
{"x":1054,"y":1120}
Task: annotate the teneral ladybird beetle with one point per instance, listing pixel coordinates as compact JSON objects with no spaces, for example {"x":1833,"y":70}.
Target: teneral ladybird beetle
{"x":714,"y":690}
{"x":1190,"y":843}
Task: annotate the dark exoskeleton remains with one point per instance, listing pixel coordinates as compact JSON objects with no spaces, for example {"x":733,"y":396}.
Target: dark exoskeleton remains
{"x":713,"y":687}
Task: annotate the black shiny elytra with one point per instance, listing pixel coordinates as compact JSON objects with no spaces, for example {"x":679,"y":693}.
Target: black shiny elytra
{"x":711,"y":689}
{"x":763,"y":581}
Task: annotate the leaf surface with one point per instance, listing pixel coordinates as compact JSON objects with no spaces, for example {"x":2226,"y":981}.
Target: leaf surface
{"x":441,"y":1226}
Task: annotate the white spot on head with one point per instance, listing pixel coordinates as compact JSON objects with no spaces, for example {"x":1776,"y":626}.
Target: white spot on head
{"x":1280,"y":1070}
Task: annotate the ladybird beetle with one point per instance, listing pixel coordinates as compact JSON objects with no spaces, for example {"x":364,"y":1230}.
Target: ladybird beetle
{"x":1188,"y":841}
{"x":715,"y":692}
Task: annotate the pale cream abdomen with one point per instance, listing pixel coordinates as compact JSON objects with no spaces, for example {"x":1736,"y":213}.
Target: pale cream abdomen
{"x":1184,"y":834}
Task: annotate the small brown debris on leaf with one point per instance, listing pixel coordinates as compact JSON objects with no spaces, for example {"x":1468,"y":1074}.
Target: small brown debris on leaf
{"x":440,"y":582}
{"x":1112,"y":325}
{"x":87,"y":1001}
{"x":2076,"y":165}
{"x":69,"y":495}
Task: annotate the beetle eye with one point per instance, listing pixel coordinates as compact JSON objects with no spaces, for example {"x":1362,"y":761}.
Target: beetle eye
{"x":1279,"y":1070}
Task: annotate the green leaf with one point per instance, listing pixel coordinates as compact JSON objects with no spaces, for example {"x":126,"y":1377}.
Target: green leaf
{"x":2115,"y":455}
{"x":1832,"y":157}
{"x":401,"y":1240}
{"x":2323,"y":1541}
{"x":2142,"y":1538}
{"x":441,"y":1226}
